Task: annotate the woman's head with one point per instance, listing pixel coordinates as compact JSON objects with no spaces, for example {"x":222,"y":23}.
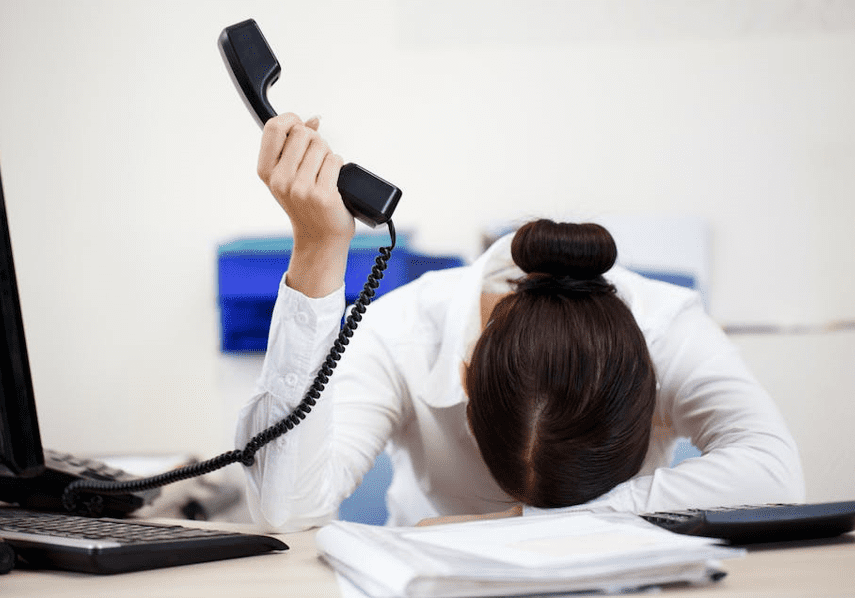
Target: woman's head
{"x":561,"y":386}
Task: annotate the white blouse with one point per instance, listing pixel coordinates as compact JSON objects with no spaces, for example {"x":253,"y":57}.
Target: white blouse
{"x":398,"y":386}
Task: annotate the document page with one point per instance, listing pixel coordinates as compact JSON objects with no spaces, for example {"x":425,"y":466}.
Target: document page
{"x":519,"y":556}
{"x":550,"y":542}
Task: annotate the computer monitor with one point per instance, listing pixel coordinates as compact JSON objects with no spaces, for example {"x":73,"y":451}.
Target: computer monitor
{"x":21,"y":453}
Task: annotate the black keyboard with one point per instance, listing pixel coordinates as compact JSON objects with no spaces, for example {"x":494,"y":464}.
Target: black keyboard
{"x":100,"y":545}
{"x":761,"y":523}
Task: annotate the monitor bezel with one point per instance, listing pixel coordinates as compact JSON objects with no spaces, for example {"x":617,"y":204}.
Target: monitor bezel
{"x":21,"y":452}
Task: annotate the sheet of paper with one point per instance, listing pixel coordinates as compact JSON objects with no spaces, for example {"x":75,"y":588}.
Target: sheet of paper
{"x":509,"y":557}
{"x":552,"y":541}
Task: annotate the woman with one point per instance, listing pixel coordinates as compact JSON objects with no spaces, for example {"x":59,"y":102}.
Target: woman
{"x":538,"y":377}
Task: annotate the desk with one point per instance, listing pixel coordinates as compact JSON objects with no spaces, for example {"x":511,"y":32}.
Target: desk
{"x":811,"y":569}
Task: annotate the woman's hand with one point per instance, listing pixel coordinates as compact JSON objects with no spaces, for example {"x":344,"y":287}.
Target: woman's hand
{"x":301,"y":172}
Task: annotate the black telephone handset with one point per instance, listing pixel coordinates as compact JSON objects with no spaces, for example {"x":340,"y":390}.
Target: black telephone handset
{"x":372,"y":200}
{"x":253,"y":69}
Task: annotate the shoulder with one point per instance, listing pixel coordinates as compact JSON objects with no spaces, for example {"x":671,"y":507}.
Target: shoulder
{"x":413,"y":326}
{"x":417,"y":309}
{"x":654,"y":304}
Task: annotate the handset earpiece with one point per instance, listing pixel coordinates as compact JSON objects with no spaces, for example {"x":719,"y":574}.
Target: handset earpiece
{"x":251,"y":65}
{"x":253,"y":69}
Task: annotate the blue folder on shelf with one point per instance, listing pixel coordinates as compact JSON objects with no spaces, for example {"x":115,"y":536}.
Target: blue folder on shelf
{"x":250,"y":270}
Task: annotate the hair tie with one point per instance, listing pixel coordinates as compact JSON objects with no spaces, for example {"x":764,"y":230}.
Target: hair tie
{"x":565,"y":285}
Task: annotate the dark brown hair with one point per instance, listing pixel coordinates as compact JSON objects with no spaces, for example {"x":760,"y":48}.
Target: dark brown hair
{"x":561,"y":386}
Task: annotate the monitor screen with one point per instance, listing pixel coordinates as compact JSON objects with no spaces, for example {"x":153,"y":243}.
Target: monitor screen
{"x":20,"y":442}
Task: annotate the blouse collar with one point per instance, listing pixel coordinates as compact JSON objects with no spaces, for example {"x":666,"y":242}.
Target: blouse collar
{"x":490,"y":272}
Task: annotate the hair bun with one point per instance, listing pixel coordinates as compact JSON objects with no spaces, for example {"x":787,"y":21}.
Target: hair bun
{"x":578,"y":251}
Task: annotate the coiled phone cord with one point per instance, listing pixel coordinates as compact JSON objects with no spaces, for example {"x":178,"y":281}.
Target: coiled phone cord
{"x":92,"y":506}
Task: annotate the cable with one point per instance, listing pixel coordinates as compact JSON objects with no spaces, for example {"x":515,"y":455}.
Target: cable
{"x":71,"y":494}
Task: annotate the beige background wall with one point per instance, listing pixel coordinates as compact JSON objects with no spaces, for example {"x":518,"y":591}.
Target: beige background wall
{"x":127,"y":157}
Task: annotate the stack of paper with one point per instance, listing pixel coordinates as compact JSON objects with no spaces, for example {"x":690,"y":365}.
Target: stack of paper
{"x":566,"y":552}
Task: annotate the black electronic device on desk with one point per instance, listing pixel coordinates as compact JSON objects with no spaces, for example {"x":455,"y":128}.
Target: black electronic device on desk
{"x":103,"y":545}
{"x":30,"y":476}
{"x":43,"y":492}
{"x":753,"y":524}
{"x":35,"y":479}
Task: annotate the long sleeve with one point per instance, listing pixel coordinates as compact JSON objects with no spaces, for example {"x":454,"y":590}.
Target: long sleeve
{"x":299,"y":480}
{"x":301,"y":332}
{"x":708,"y":395}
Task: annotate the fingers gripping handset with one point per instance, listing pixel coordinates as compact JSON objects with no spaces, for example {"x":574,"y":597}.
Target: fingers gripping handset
{"x":253,"y":69}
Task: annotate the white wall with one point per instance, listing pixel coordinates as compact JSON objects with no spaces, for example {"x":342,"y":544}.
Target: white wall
{"x":127,"y":157}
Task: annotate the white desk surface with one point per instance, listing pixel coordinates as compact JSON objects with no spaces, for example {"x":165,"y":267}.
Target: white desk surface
{"x":811,"y":569}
